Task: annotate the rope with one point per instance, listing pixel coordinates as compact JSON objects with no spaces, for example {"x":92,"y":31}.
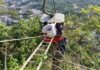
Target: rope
{"x":40,"y":64}
{"x":2,"y":41}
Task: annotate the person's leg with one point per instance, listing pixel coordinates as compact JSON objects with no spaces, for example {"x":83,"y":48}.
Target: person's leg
{"x":57,"y":54}
{"x":62,"y":45}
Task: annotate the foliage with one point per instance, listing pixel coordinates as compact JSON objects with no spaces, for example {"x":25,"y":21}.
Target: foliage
{"x":83,"y":33}
{"x":2,"y":2}
{"x":17,"y":50}
{"x":5,"y":11}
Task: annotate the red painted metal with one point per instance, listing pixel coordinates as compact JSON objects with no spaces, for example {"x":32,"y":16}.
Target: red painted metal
{"x":55,"y":40}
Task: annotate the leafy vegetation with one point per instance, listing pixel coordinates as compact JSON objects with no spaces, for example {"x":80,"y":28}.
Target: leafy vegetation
{"x":2,"y":2}
{"x":82,"y":35}
{"x":82,"y":32}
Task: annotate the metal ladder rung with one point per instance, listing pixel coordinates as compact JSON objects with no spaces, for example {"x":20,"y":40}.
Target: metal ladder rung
{"x":44,"y":45}
{"x":46,"y":42}
{"x":41,"y":50}
{"x":38,"y":54}
{"x":31,"y":61}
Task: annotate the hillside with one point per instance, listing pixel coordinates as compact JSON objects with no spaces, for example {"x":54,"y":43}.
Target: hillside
{"x":61,"y":5}
{"x":17,"y":9}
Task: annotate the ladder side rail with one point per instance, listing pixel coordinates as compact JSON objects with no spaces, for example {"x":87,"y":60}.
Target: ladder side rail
{"x":30,"y":57}
{"x":40,"y":64}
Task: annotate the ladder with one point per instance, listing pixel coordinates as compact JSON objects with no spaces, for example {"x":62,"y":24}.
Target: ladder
{"x":39,"y":48}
